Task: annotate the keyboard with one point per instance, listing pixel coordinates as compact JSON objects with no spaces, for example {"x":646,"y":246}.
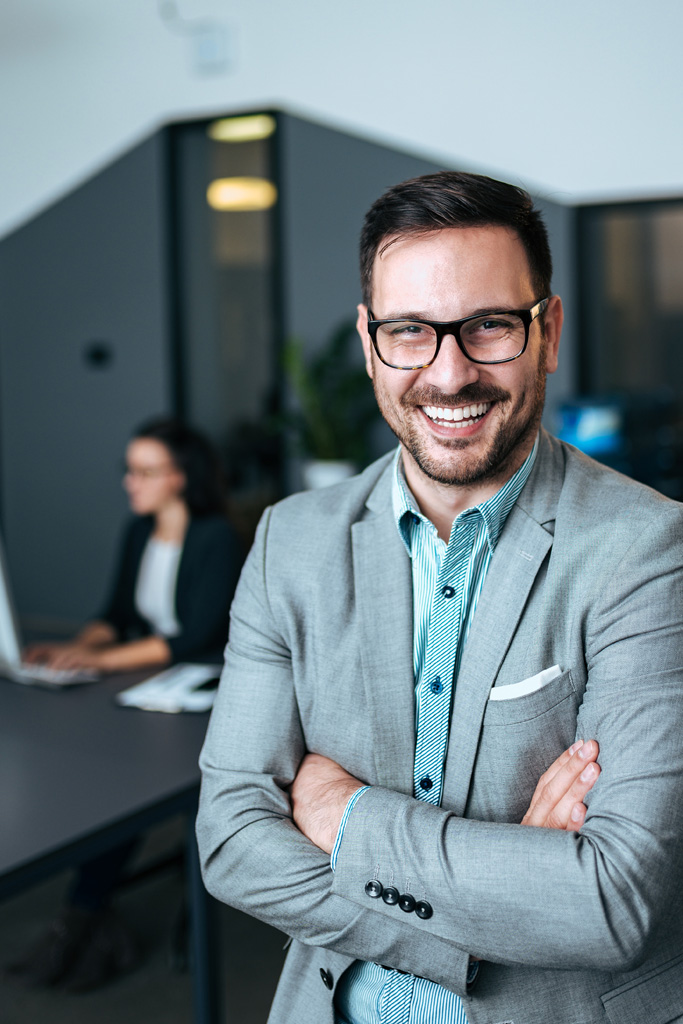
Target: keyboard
{"x":30,"y":673}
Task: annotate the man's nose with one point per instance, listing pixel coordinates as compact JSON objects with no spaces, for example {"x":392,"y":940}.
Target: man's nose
{"x":451,"y":370}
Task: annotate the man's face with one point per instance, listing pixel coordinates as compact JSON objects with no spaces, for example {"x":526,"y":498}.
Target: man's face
{"x":461,"y":423}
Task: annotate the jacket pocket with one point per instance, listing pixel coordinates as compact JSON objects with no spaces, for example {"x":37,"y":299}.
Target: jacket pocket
{"x":655,"y":997}
{"x":531,"y":705}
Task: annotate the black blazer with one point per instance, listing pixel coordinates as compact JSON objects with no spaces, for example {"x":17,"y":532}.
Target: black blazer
{"x":209,"y":568}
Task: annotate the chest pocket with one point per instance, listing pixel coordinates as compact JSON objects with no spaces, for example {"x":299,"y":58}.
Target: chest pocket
{"x":520,"y":738}
{"x":531,"y":705}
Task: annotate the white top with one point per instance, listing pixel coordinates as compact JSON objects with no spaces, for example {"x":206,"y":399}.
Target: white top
{"x":155,"y":586}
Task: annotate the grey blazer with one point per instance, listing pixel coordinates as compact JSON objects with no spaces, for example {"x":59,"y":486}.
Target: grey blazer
{"x":587,"y":579}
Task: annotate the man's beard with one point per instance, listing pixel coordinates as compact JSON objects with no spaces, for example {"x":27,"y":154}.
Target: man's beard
{"x":502,"y":454}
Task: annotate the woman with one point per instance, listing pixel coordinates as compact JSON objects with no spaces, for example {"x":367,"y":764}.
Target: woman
{"x":170,"y":602}
{"x":178,"y":567}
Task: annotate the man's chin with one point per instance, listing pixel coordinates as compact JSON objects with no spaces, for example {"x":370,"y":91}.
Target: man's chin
{"x":463,"y":474}
{"x":467,"y":462}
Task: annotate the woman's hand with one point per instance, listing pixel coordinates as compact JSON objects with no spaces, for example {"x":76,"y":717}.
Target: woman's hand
{"x":66,"y":655}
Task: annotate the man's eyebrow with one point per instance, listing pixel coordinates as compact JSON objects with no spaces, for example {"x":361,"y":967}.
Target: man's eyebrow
{"x":420,"y":315}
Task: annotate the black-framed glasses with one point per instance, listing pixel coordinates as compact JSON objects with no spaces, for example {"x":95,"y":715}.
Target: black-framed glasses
{"x":496,"y":337}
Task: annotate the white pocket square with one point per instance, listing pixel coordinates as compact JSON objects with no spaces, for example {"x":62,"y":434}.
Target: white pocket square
{"x":529,"y":685}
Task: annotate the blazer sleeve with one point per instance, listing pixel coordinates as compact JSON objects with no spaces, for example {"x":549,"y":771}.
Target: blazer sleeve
{"x":597,"y":899}
{"x":253,"y":857}
{"x":207,"y":577}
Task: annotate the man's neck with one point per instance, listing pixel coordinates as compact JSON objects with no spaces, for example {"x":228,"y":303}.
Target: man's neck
{"x":443,"y":503}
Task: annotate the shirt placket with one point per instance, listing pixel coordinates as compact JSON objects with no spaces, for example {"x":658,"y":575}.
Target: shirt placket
{"x":443,"y":637}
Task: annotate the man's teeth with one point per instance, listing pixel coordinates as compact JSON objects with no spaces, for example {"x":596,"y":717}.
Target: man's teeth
{"x":462,"y":416}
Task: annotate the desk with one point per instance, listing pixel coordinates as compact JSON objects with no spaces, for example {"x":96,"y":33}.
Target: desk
{"x":78,"y":775}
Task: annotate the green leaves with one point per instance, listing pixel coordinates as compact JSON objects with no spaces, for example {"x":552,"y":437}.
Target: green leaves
{"x":336,"y":403}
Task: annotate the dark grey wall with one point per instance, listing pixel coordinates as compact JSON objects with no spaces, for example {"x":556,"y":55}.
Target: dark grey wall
{"x":561,"y":223}
{"x":89,"y":270}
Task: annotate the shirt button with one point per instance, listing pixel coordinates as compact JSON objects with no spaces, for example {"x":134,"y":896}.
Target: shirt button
{"x":426,"y":783}
{"x":436,"y":685}
{"x":448,"y":591}
{"x":328,"y":980}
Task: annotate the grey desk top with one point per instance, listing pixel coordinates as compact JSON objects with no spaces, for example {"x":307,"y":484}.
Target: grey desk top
{"x":73,"y":764}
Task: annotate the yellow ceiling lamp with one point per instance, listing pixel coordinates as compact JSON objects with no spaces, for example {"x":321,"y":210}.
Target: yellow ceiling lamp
{"x":241,"y":194}
{"x":242,"y":129}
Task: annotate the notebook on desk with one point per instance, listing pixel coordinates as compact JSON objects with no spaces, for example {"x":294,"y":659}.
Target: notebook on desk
{"x":11,"y":664}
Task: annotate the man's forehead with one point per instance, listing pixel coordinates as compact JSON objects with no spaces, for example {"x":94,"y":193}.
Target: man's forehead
{"x":484,"y":235}
{"x":482,"y":258}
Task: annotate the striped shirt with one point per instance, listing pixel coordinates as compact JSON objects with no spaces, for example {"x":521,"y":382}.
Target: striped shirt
{"x":447,"y":582}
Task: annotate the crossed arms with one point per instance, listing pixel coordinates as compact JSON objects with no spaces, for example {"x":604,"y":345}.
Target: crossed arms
{"x":575,"y":899}
{"x":322,"y":789}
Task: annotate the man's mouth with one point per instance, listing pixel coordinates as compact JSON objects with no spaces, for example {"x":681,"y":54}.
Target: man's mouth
{"x":459,"y":415}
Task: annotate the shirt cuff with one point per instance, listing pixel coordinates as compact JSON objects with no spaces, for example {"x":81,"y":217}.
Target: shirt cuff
{"x":342,"y":824}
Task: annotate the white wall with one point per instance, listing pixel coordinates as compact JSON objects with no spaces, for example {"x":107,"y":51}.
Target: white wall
{"x":576,"y":100}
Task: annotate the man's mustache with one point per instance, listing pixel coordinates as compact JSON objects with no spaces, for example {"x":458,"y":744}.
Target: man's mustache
{"x":476,"y":392}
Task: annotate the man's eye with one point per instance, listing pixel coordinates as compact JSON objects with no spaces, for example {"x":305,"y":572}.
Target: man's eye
{"x":412,"y":332}
{"x":492,"y":324}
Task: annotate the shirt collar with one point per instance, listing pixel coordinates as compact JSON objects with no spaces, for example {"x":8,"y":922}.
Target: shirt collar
{"x":494,"y":511}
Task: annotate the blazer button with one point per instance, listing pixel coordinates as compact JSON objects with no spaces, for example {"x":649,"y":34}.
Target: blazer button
{"x":390,"y":895}
{"x":407,"y":903}
{"x":328,"y":981}
{"x":373,"y":888}
{"x":423,"y":909}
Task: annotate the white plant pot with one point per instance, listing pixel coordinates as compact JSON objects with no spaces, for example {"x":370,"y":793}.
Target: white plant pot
{"x":323,"y":472}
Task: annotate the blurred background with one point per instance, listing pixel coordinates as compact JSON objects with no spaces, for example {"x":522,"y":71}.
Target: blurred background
{"x":133,"y":281}
{"x":182,"y":188}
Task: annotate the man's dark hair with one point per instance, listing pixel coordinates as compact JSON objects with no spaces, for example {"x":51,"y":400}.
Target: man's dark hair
{"x":194,"y":455}
{"x":454,"y":199}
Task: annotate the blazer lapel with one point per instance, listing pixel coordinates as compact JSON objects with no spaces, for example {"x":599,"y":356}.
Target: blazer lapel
{"x":522,"y":547}
{"x":383,"y":587}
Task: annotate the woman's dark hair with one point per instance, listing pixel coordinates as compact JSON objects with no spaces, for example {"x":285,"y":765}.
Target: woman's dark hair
{"x":196,"y":458}
{"x":454,"y":199}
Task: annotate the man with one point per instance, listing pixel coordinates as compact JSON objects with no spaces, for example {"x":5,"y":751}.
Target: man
{"x":411,"y":650}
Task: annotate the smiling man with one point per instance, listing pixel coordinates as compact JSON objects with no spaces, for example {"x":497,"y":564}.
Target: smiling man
{"x":395,"y":773}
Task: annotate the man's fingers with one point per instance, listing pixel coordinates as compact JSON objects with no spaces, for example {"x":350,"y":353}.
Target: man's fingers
{"x":565,"y":813}
{"x":562,"y":786}
{"x":550,"y":773}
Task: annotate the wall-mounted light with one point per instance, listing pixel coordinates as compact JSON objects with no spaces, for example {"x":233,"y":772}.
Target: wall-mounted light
{"x":241,"y":194}
{"x":242,"y":129}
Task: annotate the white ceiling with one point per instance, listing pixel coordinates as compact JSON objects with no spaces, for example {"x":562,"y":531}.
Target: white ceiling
{"x":578,"y":100}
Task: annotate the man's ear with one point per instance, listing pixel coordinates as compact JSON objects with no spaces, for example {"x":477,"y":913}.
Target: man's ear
{"x":553,"y":318}
{"x":362,"y":328}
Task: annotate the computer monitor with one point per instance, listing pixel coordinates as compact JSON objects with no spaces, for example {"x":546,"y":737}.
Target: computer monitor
{"x":596,"y":427}
{"x":10,"y":638}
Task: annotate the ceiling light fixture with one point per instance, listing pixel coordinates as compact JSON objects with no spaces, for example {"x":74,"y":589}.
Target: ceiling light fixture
{"x":241,"y":194}
{"x":242,"y":129}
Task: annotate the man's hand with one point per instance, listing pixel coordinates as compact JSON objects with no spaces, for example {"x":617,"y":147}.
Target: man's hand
{"x":319,"y":794}
{"x":558,"y":798}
